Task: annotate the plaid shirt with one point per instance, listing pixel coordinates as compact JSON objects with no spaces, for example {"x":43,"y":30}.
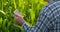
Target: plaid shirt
{"x":48,"y":20}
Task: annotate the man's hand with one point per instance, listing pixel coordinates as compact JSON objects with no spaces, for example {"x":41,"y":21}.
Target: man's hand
{"x":19,"y":19}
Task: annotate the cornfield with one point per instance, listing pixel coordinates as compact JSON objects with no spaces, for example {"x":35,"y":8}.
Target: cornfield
{"x":30,"y":9}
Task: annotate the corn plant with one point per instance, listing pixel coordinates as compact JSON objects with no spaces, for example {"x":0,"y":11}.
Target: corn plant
{"x":30,"y":9}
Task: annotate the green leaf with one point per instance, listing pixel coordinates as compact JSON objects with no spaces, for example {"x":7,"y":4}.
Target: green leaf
{"x":0,"y":22}
{"x":2,"y":12}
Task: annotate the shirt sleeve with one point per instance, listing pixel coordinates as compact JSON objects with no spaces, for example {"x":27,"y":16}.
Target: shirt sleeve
{"x":46,"y":19}
{"x":41,"y":25}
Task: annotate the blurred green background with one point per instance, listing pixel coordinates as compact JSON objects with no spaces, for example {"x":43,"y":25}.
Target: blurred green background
{"x":30,"y":9}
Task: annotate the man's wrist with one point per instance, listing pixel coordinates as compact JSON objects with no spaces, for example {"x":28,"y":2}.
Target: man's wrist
{"x":23,"y":23}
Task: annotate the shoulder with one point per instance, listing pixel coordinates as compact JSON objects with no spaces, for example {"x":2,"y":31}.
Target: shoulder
{"x":50,"y":6}
{"x":53,"y":5}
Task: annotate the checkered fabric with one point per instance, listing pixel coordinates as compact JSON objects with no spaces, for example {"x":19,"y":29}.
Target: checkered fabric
{"x":48,"y":20}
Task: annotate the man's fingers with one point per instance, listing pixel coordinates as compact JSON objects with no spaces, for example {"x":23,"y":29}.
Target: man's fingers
{"x":18,"y":15}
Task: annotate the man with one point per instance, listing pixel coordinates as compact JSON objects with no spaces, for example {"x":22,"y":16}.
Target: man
{"x":48,"y":20}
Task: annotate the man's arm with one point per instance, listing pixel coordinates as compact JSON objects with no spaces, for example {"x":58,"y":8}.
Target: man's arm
{"x":46,"y":19}
{"x":43,"y":23}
